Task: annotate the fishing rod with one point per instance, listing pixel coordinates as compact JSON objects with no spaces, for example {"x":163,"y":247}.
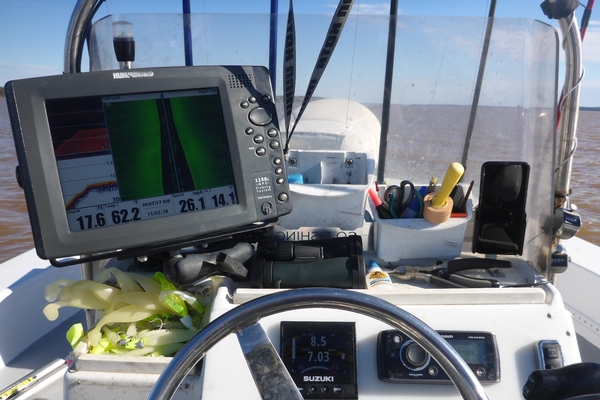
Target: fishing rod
{"x":479,"y":81}
{"x":187,"y":33}
{"x":334,"y":32}
{"x":273,"y":44}
{"x":585,"y":19}
{"x":387,"y":90}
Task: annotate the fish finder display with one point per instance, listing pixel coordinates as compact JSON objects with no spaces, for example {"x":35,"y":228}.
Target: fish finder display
{"x":135,"y":162}
{"x":129,"y":158}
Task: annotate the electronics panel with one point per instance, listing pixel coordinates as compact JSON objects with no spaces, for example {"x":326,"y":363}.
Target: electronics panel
{"x":178,"y":154}
{"x":401,"y":360}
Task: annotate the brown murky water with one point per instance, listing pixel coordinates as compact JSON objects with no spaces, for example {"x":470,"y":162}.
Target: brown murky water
{"x":15,"y":232}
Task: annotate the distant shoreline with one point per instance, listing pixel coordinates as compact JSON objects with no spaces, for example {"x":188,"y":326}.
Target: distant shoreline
{"x":580,"y":108}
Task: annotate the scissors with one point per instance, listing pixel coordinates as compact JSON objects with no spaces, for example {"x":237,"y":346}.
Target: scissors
{"x":399,"y":197}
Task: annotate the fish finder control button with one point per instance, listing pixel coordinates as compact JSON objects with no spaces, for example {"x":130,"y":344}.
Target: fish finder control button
{"x":258,"y":139}
{"x":260,"y":116}
{"x":283,"y":197}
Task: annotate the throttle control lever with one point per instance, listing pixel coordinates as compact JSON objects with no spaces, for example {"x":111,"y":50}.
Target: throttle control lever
{"x":563,"y":383}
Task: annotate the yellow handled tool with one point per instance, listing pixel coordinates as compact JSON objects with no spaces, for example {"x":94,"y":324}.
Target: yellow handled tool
{"x":453,"y":174}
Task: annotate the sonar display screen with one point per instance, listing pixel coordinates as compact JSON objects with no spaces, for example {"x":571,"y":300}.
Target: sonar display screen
{"x":138,"y":157}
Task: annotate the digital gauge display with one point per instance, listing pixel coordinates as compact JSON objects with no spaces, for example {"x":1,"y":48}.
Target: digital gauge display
{"x":136,"y":157}
{"x":321,"y":358}
{"x":472,"y":351}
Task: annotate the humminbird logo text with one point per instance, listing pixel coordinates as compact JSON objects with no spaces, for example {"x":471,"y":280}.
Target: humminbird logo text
{"x":318,"y":379}
{"x":133,"y":74}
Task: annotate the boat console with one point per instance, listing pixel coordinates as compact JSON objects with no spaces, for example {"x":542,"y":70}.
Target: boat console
{"x":182,"y":170}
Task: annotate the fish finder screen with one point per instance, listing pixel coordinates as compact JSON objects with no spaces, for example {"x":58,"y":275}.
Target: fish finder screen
{"x":142,"y":156}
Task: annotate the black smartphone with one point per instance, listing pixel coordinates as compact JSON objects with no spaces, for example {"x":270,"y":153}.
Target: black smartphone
{"x":500,"y":217}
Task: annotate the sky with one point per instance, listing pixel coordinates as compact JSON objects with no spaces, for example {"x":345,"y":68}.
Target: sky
{"x":32,"y":32}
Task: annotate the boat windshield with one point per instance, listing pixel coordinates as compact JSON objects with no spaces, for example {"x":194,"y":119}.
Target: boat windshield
{"x":432,"y":77}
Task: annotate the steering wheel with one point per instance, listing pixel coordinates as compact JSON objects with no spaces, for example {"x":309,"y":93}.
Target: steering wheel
{"x":243,"y":320}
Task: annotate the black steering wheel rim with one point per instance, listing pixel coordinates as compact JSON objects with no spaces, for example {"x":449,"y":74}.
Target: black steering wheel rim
{"x":251,"y":312}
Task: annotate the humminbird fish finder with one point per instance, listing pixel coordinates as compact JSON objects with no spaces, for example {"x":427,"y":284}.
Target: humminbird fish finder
{"x":144,"y":159}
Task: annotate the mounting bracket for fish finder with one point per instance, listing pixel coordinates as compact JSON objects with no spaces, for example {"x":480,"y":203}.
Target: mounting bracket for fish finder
{"x":243,"y":320}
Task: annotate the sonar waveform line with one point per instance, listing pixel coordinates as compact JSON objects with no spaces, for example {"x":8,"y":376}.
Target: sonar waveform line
{"x":99,"y":187}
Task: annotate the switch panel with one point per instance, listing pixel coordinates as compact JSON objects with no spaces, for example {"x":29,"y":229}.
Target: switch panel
{"x":549,"y":354}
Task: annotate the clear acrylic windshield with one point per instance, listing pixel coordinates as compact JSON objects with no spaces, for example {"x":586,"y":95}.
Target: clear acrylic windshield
{"x":433,"y":78}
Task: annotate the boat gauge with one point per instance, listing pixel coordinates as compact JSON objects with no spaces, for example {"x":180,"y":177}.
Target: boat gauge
{"x":321,"y":358}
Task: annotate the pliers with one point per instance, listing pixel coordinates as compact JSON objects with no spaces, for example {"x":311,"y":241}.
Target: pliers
{"x":446,"y":274}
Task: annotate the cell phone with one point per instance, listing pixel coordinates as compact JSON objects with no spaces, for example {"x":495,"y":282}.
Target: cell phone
{"x":500,"y":218}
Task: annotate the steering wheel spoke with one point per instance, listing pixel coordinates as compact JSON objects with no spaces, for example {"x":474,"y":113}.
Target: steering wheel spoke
{"x":270,"y":375}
